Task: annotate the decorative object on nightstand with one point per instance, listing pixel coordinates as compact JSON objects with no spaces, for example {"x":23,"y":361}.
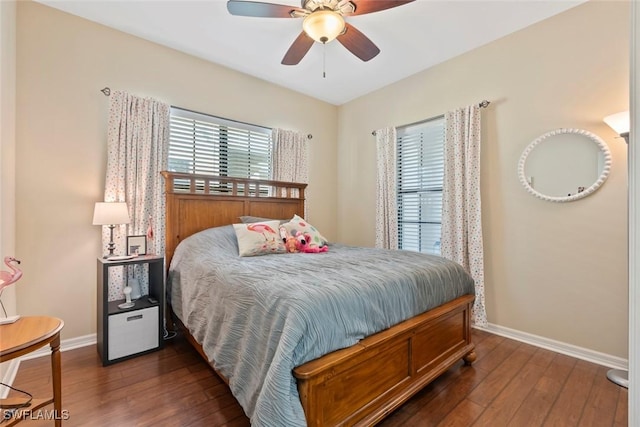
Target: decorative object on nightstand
{"x":126,"y":331}
{"x":111,"y":214}
{"x":134,"y":284}
{"x":137,"y":245}
{"x":127,"y":296}
{"x":132,"y":289}
{"x":620,"y":122}
{"x":8,"y":278}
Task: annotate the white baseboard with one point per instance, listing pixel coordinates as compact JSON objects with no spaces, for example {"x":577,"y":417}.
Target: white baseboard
{"x":65,"y":345}
{"x":14,"y":364}
{"x":559,"y":347}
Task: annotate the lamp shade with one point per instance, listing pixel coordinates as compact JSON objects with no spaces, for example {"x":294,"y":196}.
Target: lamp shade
{"x":110,"y":213}
{"x":323,"y":25}
{"x":618,"y":122}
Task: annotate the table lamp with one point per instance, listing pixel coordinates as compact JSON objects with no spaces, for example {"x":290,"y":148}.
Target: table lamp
{"x":111,"y":214}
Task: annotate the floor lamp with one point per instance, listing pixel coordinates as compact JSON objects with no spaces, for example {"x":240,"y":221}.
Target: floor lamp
{"x":619,"y":122}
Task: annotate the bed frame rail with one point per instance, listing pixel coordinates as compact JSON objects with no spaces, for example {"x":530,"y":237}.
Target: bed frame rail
{"x":189,"y":183}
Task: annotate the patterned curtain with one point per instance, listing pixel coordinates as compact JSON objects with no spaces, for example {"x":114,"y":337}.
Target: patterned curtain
{"x":137,"y":150}
{"x":461,"y":217}
{"x":386,"y":203}
{"x":290,"y":158}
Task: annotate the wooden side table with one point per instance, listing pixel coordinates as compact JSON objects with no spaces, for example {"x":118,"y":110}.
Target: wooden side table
{"x":28,"y":334}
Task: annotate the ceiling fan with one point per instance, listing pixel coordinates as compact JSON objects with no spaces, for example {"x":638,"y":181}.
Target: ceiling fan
{"x":323,"y":22}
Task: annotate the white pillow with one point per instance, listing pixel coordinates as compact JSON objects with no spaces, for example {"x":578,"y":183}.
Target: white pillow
{"x":259,"y":238}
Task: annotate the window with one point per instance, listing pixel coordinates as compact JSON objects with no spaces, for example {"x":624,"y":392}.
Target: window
{"x":420,"y":167}
{"x":199,"y":143}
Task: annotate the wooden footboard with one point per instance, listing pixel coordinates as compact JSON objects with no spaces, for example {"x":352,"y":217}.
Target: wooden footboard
{"x":362,"y":384}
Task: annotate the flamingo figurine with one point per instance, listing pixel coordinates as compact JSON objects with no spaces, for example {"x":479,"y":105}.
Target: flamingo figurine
{"x":7,"y":278}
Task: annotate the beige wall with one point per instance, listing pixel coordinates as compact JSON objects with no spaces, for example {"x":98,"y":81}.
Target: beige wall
{"x":554,"y":270}
{"x":62,"y":63}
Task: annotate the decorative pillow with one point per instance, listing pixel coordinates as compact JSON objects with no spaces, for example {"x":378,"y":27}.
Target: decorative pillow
{"x":298,"y":225}
{"x":259,"y":238}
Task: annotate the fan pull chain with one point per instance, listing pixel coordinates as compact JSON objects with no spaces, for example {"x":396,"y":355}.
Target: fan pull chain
{"x":324,"y":60}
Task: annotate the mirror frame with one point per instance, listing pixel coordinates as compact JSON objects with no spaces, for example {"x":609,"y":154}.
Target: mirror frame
{"x":606,"y":169}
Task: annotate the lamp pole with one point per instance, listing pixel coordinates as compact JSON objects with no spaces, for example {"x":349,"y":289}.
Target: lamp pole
{"x":111,"y":246}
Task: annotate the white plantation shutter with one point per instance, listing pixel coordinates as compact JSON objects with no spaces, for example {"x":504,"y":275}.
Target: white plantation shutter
{"x":420,"y":166}
{"x":199,"y":143}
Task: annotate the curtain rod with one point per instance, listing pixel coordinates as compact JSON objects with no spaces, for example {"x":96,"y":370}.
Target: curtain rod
{"x":482,"y":104}
{"x":107,"y":92}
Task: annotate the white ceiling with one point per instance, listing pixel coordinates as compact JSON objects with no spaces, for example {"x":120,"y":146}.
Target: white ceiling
{"x":412,"y":37}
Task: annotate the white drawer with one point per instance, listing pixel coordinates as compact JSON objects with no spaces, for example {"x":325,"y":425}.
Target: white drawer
{"x":133,"y":332}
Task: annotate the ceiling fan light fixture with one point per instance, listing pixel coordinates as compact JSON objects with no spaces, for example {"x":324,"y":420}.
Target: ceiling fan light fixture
{"x":323,"y":25}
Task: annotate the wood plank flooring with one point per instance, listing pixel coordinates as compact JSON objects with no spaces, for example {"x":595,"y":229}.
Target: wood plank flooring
{"x":510,"y":384}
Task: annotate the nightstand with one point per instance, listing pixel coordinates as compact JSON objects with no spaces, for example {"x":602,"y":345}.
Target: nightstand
{"x":126,"y":333}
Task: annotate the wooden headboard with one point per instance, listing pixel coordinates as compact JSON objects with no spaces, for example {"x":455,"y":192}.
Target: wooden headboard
{"x":195,"y":202}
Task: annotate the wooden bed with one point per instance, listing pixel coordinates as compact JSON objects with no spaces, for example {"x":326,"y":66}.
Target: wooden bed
{"x":359,"y":385}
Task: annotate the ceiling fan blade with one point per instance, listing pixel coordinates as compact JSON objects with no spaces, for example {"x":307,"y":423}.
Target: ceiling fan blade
{"x":357,"y":43}
{"x":298,"y":49}
{"x":370,"y":6}
{"x":262,"y":10}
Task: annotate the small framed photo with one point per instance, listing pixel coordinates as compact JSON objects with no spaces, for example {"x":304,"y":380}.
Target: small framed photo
{"x":137,"y":245}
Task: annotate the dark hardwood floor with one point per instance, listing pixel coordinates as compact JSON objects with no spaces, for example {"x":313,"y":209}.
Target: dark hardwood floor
{"x":510,"y":384}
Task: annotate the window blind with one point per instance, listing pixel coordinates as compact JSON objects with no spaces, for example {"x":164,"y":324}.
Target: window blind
{"x":420,"y":172}
{"x":200,"y":143}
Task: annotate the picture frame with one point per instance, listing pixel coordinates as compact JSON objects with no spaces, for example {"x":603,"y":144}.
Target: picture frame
{"x":137,"y":245}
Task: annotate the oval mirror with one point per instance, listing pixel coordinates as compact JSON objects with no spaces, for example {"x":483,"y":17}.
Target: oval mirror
{"x":564,"y":165}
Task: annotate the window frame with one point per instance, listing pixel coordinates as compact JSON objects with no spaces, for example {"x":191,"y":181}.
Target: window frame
{"x":413,"y":181}
{"x":221,"y":142}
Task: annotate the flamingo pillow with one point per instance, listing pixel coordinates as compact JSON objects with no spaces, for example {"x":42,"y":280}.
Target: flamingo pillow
{"x":259,"y":238}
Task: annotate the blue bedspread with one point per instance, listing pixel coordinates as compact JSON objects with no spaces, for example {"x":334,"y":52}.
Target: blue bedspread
{"x":259,"y":317}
